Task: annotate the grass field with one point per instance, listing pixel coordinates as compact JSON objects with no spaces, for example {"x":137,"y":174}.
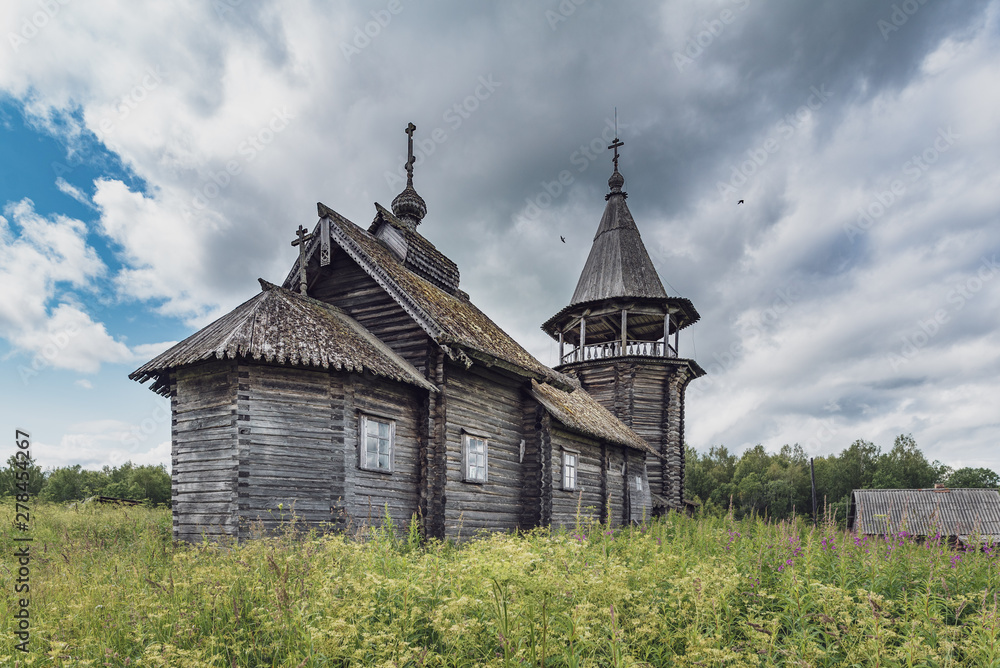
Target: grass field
{"x":108,"y":588}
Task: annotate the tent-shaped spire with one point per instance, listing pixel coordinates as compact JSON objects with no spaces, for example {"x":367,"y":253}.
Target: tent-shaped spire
{"x":618,"y":265}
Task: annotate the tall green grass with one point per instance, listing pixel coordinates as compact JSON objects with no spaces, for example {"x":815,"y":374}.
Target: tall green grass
{"x":110,"y":589}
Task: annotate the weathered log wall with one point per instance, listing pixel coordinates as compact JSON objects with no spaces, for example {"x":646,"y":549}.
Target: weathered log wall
{"x":484,"y":401}
{"x":343,"y":283}
{"x":368,"y":495}
{"x":586,"y":502}
{"x":287,"y":463}
{"x":203,"y":451}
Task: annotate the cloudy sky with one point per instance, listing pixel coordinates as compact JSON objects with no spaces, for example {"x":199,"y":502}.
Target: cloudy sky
{"x":155,"y":159}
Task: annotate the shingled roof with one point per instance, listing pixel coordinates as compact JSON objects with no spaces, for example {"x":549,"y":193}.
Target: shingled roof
{"x":281,"y":326}
{"x":926,"y":512}
{"x":618,"y":264}
{"x":581,"y":413}
{"x":453,"y":321}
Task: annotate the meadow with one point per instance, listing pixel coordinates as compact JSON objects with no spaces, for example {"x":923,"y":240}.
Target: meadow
{"x":109,"y":588}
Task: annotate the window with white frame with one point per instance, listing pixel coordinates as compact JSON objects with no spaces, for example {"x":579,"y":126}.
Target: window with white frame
{"x":378,"y":436}
{"x":638,"y":483}
{"x":474,"y":456}
{"x":570,"y":461}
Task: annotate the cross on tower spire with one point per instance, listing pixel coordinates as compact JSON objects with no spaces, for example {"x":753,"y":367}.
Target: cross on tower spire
{"x":615,"y":146}
{"x":303,"y":237}
{"x":409,"y":155}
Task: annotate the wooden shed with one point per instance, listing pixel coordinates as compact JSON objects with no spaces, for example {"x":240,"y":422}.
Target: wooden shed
{"x":955,"y":514}
{"x":369,"y":383}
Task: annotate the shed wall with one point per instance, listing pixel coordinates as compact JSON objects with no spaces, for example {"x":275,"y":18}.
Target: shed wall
{"x":203,"y":451}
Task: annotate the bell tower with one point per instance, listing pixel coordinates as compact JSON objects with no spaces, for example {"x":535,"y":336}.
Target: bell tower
{"x":619,"y":337}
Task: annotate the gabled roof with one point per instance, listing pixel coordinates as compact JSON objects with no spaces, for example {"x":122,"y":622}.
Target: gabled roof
{"x":454,"y":322}
{"x":580,"y":412}
{"x":284,"y":327}
{"x":926,"y":512}
{"x":618,"y":264}
{"x":421,"y":255}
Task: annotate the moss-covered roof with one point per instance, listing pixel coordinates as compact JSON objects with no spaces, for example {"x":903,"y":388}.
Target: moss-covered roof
{"x":284,"y":327}
{"x":450,"y":319}
{"x":580,"y":412}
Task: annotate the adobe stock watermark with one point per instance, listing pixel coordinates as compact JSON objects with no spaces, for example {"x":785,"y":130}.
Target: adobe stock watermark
{"x":129,"y":102}
{"x":785,"y":129}
{"x":364,"y":35}
{"x":958,"y":297}
{"x":148,"y":426}
{"x":913,"y":169}
{"x":50,"y":351}
{"x":34,"y":24}
{"x":824,"y":434}
{"x":901,"y":13}
{"x":785,"y":298}
{"x":695,"y":46}
{"x":454,"y":116}
{"x":566,"y":9}
{"x":582,"y":158}
{"x":247,"y":152}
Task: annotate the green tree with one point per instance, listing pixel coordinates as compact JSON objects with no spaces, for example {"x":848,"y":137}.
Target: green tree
{"x":14,"y":474}
{"x":905,"y":467}
{"x":976,"y":478}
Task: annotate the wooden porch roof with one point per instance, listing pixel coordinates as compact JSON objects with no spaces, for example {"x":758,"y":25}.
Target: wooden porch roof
{"x":284,"y":327}
{"x":581,"y":413}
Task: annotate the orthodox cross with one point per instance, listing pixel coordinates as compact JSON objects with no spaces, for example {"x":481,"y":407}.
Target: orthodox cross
{"x":615,"y":146}
{"x":409,"y":161}
{"x":303,"y":237}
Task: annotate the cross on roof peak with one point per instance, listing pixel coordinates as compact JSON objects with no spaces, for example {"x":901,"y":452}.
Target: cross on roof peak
{"x":303,"y":236}
{"x":409,"y":153}
{"x":615,"y":144}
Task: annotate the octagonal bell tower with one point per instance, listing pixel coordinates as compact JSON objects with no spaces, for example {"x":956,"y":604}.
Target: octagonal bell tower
{"x":619,"y":337}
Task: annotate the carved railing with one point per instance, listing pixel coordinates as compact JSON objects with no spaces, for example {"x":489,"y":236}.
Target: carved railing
{"x":597,"y":351}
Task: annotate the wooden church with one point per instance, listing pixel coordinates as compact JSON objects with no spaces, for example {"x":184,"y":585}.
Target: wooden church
{"x":368,"y":383}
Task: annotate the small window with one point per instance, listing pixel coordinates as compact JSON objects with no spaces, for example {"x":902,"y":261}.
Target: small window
{"x":378,"y":436}
{"x":475,"y":458}
{"x":569,"y":471}
{"x":638,"y":483}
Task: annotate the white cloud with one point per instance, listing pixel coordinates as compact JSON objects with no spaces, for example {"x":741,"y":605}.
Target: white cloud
{"x":100,"y":443}
{"x":68,"y":188}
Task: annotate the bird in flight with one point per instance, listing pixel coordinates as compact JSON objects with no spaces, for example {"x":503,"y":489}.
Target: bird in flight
{"x":562,"y":239}
{"x":740,"y":202}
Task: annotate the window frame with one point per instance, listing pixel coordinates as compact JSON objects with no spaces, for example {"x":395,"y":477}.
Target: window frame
{"x":467,"y":437}
{"x":363,"y":420}
{"x":566,"y":455}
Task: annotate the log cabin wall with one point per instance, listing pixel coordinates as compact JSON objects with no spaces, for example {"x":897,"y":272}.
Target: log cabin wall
{"x":639,"y":500}
{"x":345,"y":284}
{"x":287,"y":431}
{"x":531,"y":490}
{"x":615,"y":486}
{"x":367,"y":494}
{"x":647,"y":394}
{"x":586,"y":501}
{"x":490,"y":404}
{"x":203,"y":451}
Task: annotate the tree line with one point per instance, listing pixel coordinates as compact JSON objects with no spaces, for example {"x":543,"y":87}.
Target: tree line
{"x":778,"y":485}
{"x":75,"y":483}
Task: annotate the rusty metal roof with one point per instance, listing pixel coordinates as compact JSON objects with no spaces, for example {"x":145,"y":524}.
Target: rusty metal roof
{"x":926,"y":512}
{"x":284,"y":327}
{"x":618,"y":264}
{"x":580,"y":412}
